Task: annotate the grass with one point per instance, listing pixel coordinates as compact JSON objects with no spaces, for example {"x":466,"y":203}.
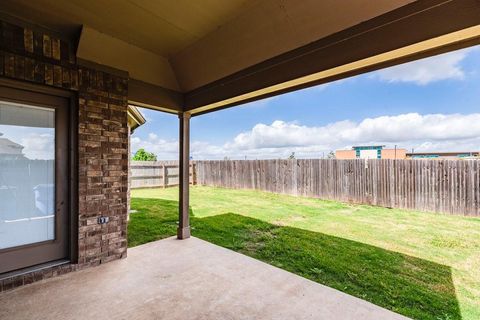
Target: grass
{"x":422,"y":265}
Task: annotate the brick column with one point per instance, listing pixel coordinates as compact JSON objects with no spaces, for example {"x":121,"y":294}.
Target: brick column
{"x":103,"y":166}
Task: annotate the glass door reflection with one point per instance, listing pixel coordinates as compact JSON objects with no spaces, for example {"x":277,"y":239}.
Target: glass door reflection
{"x":27,"y":174}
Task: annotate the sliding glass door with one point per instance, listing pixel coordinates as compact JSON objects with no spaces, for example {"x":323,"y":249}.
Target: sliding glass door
{"x":33,"y":178}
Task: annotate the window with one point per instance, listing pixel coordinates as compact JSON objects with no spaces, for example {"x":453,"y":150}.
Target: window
{"x":34,"y":175}
{"x":27,"y":174}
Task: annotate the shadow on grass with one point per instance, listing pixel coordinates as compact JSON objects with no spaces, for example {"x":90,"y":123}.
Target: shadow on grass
{"x":408,"y":285}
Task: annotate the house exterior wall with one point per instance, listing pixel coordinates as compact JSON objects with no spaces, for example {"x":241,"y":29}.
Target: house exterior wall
{"x":37,"y":57}
{"x":368,"y":154}
{"x":394,"y":154}
{"x":372,"y":154}
{"x":444,"y":155}
{"x":345,"y":154}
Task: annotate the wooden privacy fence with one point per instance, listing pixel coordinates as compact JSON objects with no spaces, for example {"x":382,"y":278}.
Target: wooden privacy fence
{"x":150,"y":174}
{"x":450,"y":186}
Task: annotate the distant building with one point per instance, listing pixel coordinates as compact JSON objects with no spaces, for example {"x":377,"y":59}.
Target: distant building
{"x":444,"y":155}
{"x":371,"y":152}
{"x":345,"y":154}
{"x":10,"y":149}
{"x":394,"y":153}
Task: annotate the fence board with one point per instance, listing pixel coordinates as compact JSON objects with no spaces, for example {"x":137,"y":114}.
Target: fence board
{"x":151,"y":174}
{"x":449,"y":186}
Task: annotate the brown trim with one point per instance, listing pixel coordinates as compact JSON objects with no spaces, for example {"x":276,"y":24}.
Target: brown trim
{"x":36,"y":268}
{"x":39,"y":88}
{"x":73,"y":178}
{"x":102,"y":67}
{"x":419,"y":21}
{"x":420,"y":55}
{"x":154,"y":97}
{"x":59,"y":248}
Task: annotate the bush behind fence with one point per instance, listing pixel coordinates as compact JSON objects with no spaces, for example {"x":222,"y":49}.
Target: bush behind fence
{"x":151,"y":174}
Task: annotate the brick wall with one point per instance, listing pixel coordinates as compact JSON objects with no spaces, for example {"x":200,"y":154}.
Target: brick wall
{"x":38,"y":57}
{"x":103,"y":166}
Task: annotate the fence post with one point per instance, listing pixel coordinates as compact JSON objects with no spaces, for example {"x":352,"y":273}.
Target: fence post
{"x":194,"y":178}
{"x":449,"y":186}
{"x":164,"y":173}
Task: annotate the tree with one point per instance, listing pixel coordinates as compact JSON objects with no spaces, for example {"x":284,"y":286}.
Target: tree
{"x":142,"y":155}
{"x":331,"y":155}
{"x":291,"y":156}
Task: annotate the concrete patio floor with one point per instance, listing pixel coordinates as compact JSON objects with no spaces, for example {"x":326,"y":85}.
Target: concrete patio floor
{"x":189,"y":279}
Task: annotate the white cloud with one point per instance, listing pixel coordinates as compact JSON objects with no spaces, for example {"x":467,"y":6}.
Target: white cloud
{"x":429,"y":132}
{"x":152,"y":136}
{"x":38,"y":146}
{"x":425,"y":71}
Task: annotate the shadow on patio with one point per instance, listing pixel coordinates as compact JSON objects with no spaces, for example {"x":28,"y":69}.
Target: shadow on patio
{"x":408,"y":285}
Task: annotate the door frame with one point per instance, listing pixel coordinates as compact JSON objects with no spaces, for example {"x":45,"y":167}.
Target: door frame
{"x":32,"y":94}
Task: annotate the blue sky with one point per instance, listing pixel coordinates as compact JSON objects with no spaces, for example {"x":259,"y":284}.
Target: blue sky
{"x":430,"y":104}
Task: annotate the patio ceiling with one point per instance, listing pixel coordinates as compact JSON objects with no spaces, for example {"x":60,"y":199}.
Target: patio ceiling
{"x":205,"y":55}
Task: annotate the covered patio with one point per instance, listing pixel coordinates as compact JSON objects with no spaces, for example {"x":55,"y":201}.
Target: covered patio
{"x":87,"y":61}
{"x":191,"y":279}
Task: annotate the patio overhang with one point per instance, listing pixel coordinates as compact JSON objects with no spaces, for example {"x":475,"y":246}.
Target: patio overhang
{"x":135,"y":118}
{"x":193,"y":57}
{"x":197,"y":58}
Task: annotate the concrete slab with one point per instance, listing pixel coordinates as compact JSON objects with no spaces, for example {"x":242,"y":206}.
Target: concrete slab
{"x":188,"y":279}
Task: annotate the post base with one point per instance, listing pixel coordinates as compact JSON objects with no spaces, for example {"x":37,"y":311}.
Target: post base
{"x":183,"y":233}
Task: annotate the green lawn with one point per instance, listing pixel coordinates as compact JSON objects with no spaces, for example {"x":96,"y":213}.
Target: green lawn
{"x":422,"y":265}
